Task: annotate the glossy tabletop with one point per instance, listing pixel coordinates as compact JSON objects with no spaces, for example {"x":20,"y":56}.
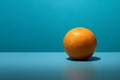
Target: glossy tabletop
{"x":58,"y":66}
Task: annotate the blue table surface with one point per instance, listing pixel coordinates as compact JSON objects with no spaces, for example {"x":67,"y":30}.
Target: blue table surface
{"x":58,"y":66}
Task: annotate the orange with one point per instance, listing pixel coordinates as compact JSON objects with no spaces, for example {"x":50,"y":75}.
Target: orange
{"x":80,"y":43}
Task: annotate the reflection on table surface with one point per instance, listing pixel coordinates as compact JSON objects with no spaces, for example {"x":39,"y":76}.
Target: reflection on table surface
{"x":79,"y":71}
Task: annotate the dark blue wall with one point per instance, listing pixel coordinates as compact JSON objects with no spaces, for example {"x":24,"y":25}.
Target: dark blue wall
{"x":40,"y":25}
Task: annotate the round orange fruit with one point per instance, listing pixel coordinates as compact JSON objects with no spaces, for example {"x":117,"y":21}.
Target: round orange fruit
{"x":80,"y":43}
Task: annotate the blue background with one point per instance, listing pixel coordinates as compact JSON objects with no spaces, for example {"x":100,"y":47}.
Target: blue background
{"x":40,"y":25}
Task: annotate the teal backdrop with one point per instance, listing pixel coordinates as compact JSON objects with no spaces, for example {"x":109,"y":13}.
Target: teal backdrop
{"x":40,"y":25}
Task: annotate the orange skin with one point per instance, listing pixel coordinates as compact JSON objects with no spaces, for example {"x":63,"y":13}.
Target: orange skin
{"x":80,"y":43}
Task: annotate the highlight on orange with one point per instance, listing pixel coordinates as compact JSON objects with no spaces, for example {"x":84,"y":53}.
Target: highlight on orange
{"x":80,"y":43}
